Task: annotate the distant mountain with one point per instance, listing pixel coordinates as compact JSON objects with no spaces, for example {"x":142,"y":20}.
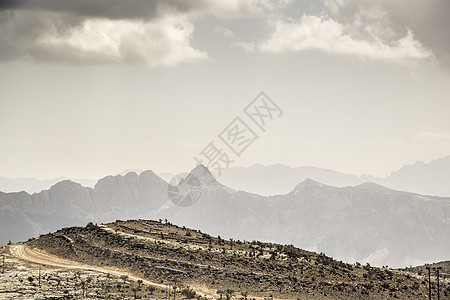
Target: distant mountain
{"x":423,"y":178}
{"x":68,"y":203}
{"x":166,"y":176}
{"x":33,"y":185}
{"x":125,"y":172}
{"x":280,"y":179}
{"x":365,"y":223}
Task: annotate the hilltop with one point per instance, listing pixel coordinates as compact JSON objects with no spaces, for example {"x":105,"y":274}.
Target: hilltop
{"x":181,"y":257}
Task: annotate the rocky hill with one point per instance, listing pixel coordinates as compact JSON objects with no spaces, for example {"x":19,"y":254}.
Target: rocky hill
{"x":182,"y":257}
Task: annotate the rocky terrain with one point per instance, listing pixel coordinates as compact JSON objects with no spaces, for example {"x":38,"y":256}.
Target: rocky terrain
{"x":24,"y":280}
{"x":181,"y":257}
{"x":443,"y":266}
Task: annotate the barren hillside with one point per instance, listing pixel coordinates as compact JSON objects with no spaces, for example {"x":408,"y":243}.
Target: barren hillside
{"x":166,"y":254}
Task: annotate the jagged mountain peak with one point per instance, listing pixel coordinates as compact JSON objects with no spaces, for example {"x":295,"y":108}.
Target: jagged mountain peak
{"x":203,"y":173}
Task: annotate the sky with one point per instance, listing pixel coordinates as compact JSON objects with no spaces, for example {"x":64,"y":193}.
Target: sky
{"x":90,"y":88}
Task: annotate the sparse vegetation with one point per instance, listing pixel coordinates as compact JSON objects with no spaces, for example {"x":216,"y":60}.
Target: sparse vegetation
{"x":161,"y":252}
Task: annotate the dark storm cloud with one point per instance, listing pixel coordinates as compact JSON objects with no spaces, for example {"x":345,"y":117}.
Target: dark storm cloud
{"x":111,"y":9}
{"x":123,"y":31}
{"x":40,"y":30}
{"x":429,"y":20}
{"x":20,"y":32}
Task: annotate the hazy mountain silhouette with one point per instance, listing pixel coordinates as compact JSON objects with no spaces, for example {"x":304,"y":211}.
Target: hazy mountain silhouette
{"x":424,"y":178}
{"x":33,"y":185}
{"x":281,"y":179}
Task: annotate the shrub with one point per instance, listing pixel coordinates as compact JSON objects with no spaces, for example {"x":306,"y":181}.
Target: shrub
{"x":188,"y":293}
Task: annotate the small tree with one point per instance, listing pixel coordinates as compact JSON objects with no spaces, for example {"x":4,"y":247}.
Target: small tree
{"x":139,"y":283}
{"x":135,"y":290}
{"x":229,"y":293}
{"x":83,"y":287}
{"x":188,"y":293}
{"x":151,"y":289}
{"x":220,"y":292}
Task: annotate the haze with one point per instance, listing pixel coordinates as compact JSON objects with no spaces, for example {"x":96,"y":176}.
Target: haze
{"x":91,"y":89}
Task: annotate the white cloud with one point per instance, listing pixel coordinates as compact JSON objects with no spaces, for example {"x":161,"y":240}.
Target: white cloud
{"x":165,"y":41}
{"x":330,"y":36}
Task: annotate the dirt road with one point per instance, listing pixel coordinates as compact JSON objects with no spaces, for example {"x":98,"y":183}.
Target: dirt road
{"x":23,"y":252}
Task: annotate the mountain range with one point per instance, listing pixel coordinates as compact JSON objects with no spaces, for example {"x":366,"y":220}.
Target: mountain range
{"x":365,"y":223}
{"x":431,"y":178}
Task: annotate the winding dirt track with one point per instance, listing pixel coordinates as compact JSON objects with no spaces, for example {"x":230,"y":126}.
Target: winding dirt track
{"x":25,"y":253}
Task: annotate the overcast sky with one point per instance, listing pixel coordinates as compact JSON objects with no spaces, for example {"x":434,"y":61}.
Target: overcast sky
{"x":92,"y":87}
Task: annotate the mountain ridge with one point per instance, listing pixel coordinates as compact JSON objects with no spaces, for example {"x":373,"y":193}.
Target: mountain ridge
{"x":276,"y":179}
{"x":431,"y":178}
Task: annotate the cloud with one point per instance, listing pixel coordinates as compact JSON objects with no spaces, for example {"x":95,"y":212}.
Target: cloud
{"x":223,"y":31}
{"x":53,"y":37}
{"x":328,"y":35}
{"x":154,"y":33}
{"x":428,"y":20}
{"x":135,"y":9}
{"x":162,"y":42}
